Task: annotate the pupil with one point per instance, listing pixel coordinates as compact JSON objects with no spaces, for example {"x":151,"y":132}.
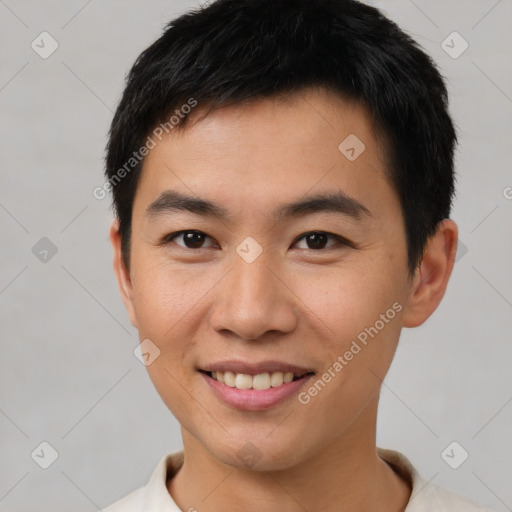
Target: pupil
{"x":193,"y":239}
{"x":317,"y":240}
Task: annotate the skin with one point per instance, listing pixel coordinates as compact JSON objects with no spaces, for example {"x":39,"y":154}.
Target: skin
{"x":294,"y":303}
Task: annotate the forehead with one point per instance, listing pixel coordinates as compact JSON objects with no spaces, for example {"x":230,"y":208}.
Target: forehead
{"x":266,"y":151}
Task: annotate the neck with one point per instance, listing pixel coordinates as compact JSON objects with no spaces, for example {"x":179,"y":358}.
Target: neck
{"x":346,"y":475}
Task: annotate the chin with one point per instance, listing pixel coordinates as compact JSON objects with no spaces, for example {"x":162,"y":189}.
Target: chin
{"x":258,"y":453}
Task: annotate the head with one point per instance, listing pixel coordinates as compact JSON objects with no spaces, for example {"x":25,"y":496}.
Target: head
{"x":315,"y":150}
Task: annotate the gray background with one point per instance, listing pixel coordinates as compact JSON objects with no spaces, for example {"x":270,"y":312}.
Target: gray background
{"x":68,"y":373}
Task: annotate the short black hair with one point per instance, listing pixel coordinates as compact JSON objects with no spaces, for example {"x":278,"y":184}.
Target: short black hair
{"x":233,"y":51}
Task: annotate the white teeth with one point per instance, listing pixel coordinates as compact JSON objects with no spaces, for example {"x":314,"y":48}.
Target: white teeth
{"x":276,"y":379}
{"x":243,"y":381}
{"x":260,"y":381}
{"x":229,"y":378}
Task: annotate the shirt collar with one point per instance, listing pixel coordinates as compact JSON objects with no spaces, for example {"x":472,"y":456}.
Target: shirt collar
{"x":157,"y":497}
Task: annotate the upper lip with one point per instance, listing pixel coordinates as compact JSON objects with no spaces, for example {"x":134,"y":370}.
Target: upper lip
{"x":255,"y":368}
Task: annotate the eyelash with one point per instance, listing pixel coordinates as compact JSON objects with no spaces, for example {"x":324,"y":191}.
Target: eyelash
{"x":342,"y":241}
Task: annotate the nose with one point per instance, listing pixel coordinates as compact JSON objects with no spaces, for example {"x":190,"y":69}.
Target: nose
{"x":253,"y":299}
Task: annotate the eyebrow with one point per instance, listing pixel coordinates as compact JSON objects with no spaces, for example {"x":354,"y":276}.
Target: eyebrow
{"x":171,"y":201}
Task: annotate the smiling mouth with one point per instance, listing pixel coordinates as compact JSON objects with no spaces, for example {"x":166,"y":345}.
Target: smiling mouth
{"x":261,"y":381}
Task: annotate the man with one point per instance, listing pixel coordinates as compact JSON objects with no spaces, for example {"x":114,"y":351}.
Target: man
{"x":282,"y":175}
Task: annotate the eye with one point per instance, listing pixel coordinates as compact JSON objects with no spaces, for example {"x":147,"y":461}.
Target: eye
{"x":317,"y":240}
{"x":192,"y":239}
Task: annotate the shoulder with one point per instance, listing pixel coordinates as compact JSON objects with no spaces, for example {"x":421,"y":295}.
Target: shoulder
{"x":154,"y":495}
{"x":426,"y":496}
{"x":432,"y":497}
{"x":130,"y":503}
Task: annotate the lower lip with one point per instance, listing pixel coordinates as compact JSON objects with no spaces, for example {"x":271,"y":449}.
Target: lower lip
{"x":253,"y":399}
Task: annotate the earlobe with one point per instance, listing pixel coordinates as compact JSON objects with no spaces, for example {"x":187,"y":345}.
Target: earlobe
{"x":122,"y":274}
{"x":432,"y":275}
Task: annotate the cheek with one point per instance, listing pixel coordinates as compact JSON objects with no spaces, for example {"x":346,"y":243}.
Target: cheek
{"x":157,"y":302}
{"x":162,"y":294}
{"x":346,"y":302}
{"x":361,"y":312}
{"x":161,"y":302}
{"x":166,"y":301}
{"x":361,"y":316}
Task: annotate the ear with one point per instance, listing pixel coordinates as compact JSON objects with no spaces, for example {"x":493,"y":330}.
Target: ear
{"x":431,"y":277}
{"x":122,"y":274}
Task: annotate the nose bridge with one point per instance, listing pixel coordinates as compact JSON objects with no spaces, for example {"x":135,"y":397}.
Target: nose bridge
{"x":253,"y":300}
{"x":253,"y":282}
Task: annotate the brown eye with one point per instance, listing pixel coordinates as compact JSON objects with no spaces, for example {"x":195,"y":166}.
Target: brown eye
{"x":318,"y":240}
{"x":191,"y":239}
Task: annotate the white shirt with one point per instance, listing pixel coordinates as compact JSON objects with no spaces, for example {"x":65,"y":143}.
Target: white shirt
{"x":425,"y":496}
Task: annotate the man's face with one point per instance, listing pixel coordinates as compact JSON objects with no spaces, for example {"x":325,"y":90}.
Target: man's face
{"x":254,"y":287}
